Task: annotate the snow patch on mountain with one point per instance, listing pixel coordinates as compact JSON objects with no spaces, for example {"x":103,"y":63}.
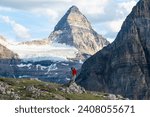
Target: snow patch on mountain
{"x":54,"y":52}
{"x":51,"y":68}
{"x":24,"y":65}
{"x":38,"y":66}
{"x":64,"y":64}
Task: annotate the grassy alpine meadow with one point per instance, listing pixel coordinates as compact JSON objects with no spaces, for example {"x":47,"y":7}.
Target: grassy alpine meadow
{"x":33,"y":89}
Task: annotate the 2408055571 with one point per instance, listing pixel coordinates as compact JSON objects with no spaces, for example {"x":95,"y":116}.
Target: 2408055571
{"x":106,"y":109}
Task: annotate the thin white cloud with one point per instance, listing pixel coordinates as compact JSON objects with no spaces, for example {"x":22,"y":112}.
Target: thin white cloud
{"x":46,"y":12}
{"x":127,"y":5}
{"x":115,"y":25}
{"x":19,"y":30}
{"x":92,"y":6}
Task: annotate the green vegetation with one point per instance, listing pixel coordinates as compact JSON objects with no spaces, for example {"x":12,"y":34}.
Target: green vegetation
{"x":26,"y":89}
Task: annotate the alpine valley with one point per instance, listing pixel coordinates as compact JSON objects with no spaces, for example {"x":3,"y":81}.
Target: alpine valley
{"x":70,"y":44}
{"x":105,"y":71}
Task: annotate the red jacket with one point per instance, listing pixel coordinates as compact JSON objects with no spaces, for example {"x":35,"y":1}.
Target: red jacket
{"x":74,"y":72}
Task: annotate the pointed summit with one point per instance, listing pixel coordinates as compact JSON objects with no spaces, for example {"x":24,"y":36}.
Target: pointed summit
{"x":73,"y":17}
{"x":73,"y":9}
{"x":75,"y":30}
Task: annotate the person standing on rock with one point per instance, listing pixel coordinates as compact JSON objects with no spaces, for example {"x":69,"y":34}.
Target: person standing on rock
{"x":74,"y":74}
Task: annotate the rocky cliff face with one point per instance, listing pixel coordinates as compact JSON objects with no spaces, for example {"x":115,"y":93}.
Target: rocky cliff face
{"x":75,"y":30}
{"x":123,"y":67}
{"x":6,"y":53}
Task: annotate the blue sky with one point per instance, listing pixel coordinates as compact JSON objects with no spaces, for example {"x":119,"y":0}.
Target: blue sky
{"x":23,"y":20}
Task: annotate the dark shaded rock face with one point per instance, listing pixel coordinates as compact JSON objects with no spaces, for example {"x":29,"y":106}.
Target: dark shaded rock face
{"x":75,"y":30}
{"x":123,"y":67}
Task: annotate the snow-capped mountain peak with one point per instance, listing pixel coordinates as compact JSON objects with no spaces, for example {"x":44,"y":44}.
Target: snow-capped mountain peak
{"x":74,"y":29}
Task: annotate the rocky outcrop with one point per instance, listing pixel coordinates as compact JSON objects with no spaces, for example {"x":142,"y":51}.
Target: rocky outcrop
{"x":6,"y":53}
{"x":75,"y":30}
{"x":7,"y":92}
{"x":73,"y":88}
{"x":123,"y":67}
{"x":36,"y":42}
{"x":34,"y":92}
{"x":3,"y":88}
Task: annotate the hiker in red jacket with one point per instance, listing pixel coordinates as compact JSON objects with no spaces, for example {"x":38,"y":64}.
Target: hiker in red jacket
{"x":74,"y":74}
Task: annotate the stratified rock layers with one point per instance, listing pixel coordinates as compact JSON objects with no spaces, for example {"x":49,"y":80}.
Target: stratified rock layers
{"x":123,"y":67}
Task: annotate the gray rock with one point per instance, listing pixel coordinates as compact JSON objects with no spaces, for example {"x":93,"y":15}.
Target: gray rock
{"x":58,"y":97}
{"x":112,"y":97}
{"x":36,"y":42}
{"x":34,"y":91}
{"x":119,"y":97}
{"x":8,"y":92}
{"x":123,"y":67}
{"x":15,"y":96}
{"x":3,"y":88}
{"x":73,"y":88}
{"x":115,"y":97}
